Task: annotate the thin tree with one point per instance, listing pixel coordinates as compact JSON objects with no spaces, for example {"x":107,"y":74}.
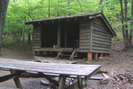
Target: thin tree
{"x":101,"y":1}
{"x":3,"y":10}
{"x":68,"y":6}
{"x":49,"y":8}
{"x":131,"y":24}
{"x":127,"y":34}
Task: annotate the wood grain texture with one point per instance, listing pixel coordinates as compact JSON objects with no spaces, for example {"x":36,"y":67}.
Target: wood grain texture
{"x":53,"y":68}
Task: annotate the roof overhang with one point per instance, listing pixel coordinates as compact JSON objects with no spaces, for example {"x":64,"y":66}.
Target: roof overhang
{"x":74,"y":17}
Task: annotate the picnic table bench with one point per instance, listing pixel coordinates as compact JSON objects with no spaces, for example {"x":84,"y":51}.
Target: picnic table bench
{"x":17,"y":67}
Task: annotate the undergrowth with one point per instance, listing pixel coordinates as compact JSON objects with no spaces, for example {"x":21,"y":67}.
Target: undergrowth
{"x":12,"y":44}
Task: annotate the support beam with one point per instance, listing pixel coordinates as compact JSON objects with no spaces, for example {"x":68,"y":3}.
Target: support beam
{"x":58,"y":35}
{"x":101,"y":55}
{"x":95,"y":55}
{"x":105,"y":55}
{"x":58,"y":53}
{"x":34,"y":53}
{"x":65,"y":35}
{"x":62,"y":80}
{"x":89,"y":56}
{"x":16,"y":80}
{"x":10,"y":76}
{"x":80,"y":82}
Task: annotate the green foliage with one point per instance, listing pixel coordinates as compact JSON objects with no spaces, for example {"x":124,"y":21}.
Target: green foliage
{"x":20,"y":11}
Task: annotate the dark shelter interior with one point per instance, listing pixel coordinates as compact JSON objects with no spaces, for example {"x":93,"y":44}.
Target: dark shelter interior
{"x":69,"y":33}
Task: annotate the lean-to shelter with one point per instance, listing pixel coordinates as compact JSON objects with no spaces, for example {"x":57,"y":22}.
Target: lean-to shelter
{"x":86,"y":33}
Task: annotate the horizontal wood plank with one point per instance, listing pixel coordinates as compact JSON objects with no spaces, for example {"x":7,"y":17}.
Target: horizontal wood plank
{"x":37,"y":38}
{"x":101,"y":42}
{"x":36,"y":47}
{"x":84,"y":34}
{"x":55,"y":68}
{"x":101,"y":37}
{"x":84,"y":43}
{"x":104,"y":41}
{"x":85,"y":40}
{"x":84,"y":47}
{"x":100,"y":30}
{"x":101,"y":46}
{"x":84,"y":31}
{"x":83,"y":50}
{"x":102,"y":49}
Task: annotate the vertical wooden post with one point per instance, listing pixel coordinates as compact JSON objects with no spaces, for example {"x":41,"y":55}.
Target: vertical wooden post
{"x":62,"y":80}
{"x":34,"y":53}
{"x":58,"y":36}
{"x":80,"y":82}
{"x":105,"y":55}
{"x":58,"y":53}
{"x":89,"y":56}
{"x":101,"y":55}
{"x":95,"y":55}
{"x":65,"y":35}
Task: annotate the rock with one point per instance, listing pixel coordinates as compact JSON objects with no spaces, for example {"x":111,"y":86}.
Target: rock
{"x":104,"y":81}
{"x":45,"y":82}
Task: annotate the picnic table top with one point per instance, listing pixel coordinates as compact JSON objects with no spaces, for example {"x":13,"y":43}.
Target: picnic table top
{"x":52,"y":68}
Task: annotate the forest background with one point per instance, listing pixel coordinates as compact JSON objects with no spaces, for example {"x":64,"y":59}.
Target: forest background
{"x":119,"y":13}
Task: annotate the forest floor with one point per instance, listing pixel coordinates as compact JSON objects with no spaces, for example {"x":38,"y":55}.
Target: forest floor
{"x":118,"y":62}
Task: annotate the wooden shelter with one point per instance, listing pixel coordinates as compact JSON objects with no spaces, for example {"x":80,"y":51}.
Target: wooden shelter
{"x":86,"y":33}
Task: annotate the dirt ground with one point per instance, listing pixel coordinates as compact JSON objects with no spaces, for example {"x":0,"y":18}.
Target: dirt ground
{"x":118,"y":62}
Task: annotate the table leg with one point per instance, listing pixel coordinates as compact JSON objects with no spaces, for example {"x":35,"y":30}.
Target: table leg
{"x":16,"y":80}
{"x":80,"y":85}
{"x":62,"y":80}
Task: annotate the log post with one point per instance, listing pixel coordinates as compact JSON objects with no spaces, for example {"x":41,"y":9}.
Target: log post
{"x":58,"y":53}
{"x":89,"y":56}
{"x":34,"y":53}
{"x":58,"y":35}
{"x":100,"y":55}
{"x":105,"y":55}
{"x":95,"y":55}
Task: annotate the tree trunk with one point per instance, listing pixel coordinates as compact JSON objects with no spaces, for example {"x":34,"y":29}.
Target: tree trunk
{"x":3,"y":9}
{"x":130,"y":39}
{"x":127,"y":34}
{"x":68,"y":6}
{"x":126,"y":40}
{"x":48,"y":8}
{"x":122,"y":18}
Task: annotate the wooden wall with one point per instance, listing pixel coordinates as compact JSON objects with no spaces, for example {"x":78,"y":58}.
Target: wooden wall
{"x":84,"y":39}
{"x":36,"y":37}
{"x":101,"y":39}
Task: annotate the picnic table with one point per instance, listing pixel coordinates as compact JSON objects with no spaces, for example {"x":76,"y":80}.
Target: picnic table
{"x":17,"y":67}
